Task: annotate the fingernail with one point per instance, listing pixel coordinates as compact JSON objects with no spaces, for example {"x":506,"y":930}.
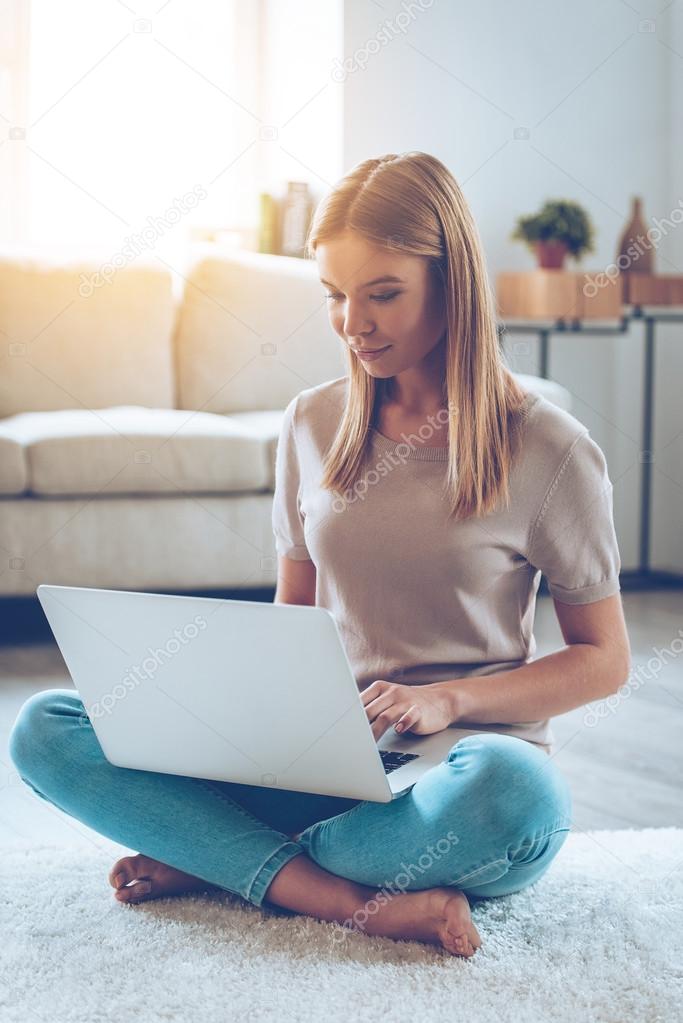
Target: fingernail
{"x":399,"y":728}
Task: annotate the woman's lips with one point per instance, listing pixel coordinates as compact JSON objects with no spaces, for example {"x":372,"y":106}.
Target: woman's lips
{"x":370,"y":356}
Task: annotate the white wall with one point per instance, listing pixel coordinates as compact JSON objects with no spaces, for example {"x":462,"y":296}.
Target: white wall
{"x":668,"y":465}
{"x":600,"y":96}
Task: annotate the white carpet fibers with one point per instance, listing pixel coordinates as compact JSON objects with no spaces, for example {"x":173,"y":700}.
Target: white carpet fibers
{"x":599,"y":938}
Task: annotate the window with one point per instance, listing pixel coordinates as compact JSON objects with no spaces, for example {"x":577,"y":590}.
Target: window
{"x":124,"y":114}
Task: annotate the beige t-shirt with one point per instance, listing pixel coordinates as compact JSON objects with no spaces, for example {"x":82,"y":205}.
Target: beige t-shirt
{"x":418,"y":599}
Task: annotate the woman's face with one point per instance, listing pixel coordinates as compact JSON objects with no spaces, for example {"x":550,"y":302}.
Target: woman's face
{"x":402,"y":319}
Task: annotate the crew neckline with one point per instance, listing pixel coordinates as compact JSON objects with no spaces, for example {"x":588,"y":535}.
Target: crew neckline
{"x":425,"y":453}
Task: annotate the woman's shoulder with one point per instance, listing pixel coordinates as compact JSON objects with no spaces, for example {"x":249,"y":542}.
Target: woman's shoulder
{"x":557,"y":460}
{"x":320,"y":406}
{"x":548,"y":431}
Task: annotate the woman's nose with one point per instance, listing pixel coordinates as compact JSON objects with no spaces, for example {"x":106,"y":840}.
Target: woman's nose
{"x":356,"y":324}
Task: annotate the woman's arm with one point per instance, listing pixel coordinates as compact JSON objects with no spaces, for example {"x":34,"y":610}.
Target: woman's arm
{"x":295,"y":581}
{"x":595,"y":662}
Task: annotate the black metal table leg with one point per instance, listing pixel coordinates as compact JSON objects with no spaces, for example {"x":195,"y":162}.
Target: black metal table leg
{"x":646,"y":454}
{"x":544,"y":353}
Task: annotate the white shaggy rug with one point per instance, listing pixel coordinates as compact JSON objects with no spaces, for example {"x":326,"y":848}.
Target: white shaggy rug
{"x":599,"y":938}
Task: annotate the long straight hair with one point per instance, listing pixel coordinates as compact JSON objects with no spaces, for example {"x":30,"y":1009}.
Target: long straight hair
{"x":410,"y":202}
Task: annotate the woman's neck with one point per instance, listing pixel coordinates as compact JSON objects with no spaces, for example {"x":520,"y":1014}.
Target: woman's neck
{"x":419,"y":390}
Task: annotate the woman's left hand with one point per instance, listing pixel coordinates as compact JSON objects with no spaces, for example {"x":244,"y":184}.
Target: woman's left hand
{"x":419,"y":709}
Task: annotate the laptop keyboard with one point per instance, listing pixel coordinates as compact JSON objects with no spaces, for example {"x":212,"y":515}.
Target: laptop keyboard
{"x":391,"y":760}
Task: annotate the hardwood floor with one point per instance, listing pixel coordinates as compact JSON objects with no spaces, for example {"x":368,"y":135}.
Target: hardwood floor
{"x":625,"y":768}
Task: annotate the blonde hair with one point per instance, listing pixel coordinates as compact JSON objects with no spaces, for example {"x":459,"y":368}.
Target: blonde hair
{"x":412,"y":203}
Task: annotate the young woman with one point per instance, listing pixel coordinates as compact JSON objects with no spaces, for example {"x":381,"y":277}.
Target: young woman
{"x":418,"y":498}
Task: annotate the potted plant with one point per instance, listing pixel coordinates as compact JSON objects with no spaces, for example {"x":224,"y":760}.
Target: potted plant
{"x":561,"y":227}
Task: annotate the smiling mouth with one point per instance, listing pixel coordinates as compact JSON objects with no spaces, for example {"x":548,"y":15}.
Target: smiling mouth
{"x":369,"y":351}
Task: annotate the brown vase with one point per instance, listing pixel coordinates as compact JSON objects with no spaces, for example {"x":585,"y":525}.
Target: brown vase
{"x":636,"y":253}
{"x":551,"y":254}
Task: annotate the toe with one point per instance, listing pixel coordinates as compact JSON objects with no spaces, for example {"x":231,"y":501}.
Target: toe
{"x":136,"y":892}
{"x":453,"y":943}
{"x":125,"y":870}
{"x":460,"y":943}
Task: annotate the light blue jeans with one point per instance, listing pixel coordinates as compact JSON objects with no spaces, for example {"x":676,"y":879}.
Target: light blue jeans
{"x":489,"y":819}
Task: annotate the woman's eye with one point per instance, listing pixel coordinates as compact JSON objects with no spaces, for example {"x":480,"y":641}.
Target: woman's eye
{"x":386,"y":297}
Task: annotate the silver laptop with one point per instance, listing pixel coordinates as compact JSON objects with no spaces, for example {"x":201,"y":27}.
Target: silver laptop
{"x":229,"y":690}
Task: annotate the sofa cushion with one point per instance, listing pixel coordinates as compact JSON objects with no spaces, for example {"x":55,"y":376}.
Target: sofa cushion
{"x":69,"y":338}
{"x":135,"y":450}
{"x":252,"y":332}
{"x":266,"y":425}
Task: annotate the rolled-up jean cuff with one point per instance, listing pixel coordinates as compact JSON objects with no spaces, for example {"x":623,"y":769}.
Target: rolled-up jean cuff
{"x":267,"y":871}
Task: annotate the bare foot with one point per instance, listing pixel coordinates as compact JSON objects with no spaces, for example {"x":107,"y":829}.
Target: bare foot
{"x":436,"y":915}
{"x":152,"y":879}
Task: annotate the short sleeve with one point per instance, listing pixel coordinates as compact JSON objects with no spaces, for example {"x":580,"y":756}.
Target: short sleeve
{"x":573,"y":540}
{"x":287,"y":517}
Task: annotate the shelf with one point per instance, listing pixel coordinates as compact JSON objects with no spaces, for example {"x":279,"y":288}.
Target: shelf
{"x":559,"y":294}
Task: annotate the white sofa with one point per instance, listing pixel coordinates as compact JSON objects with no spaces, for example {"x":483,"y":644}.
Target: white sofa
{"x":139,"y":417}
